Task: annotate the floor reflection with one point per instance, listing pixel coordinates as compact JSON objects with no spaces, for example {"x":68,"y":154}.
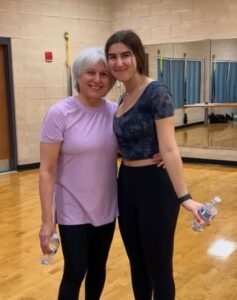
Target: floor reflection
{"x":222,"y":248}
{"x":218,"y":135}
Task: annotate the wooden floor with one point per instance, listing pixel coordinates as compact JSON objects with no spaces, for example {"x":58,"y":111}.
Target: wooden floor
{"x":214,"y":135}
{"x":198,"y":274}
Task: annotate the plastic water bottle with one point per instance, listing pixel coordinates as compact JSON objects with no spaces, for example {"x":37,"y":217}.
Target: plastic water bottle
{"x":54,"y":243}
{"x":207,"y":212}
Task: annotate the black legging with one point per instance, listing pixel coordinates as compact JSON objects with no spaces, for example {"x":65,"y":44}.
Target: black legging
{"x":85,"y":250}
{"x":148,"y":210}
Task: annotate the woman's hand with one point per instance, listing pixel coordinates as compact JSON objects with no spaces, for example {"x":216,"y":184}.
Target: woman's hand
{"x":158,"y":160}
{"x":46,"y":231}
{"x":193,"y":206}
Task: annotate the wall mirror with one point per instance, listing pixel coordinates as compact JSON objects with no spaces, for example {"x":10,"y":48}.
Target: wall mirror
{"x":202,"y":76}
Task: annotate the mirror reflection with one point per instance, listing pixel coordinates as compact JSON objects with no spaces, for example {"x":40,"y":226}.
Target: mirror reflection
{"x":202,"y":77}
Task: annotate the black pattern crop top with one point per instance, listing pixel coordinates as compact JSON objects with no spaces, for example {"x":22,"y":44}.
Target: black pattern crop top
{"x":136,"y":130}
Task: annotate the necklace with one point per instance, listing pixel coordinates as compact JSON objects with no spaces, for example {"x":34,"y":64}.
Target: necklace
{"x":136,"y":88}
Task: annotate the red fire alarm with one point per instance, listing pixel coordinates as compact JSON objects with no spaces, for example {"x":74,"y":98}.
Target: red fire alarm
{"x":48,"y":56}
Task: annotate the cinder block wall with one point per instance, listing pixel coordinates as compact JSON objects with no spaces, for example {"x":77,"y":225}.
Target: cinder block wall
{"x":165,"y":21}
{"x":36,"y":26}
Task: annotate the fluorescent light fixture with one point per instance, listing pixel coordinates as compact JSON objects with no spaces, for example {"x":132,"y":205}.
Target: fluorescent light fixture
{"x":222,"y":248}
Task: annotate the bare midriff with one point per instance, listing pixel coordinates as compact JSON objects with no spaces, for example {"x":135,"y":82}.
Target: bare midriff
{"x":139,"y":163}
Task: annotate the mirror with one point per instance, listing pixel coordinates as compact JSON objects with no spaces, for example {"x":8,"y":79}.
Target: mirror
{"x":202,"y":76}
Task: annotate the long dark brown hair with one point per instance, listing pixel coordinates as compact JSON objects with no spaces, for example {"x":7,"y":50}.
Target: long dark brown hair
{"x":132,"y":41}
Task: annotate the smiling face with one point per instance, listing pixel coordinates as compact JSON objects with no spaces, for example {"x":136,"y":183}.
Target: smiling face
{"x":122,"y":62}
{"x":95,"y":82}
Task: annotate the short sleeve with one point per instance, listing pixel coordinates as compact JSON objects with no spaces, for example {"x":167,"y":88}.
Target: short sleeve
{"x":162,"y":102}
{"x":52,"y":128}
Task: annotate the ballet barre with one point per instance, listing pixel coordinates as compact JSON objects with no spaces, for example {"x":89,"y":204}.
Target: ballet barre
{"x":206,"y":107}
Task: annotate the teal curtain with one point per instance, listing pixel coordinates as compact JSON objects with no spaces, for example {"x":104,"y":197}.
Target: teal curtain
{"x":184,"y":84}
{"x":224,"y":82}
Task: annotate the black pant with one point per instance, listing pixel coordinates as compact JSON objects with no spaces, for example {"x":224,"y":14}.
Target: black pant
{"x":85,"y":250}
{"x":148,"y":210}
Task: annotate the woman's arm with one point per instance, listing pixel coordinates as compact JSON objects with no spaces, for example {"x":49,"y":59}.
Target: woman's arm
{"x":49,"y":154}
{"x":173,"y":163}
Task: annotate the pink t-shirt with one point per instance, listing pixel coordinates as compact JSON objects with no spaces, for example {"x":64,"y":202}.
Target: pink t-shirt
{"x":86,"y":180}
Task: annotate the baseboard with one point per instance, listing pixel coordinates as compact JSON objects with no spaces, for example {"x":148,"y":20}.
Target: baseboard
{"x":189,"y":125}
{"x":209,"y":161}
{"x":28,"y":167}
{"x":184,"y":159}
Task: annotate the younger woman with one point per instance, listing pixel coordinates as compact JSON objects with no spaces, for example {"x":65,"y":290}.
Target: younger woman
{"x":149,"y":197}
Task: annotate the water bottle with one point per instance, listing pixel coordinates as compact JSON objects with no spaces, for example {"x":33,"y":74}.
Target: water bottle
{"x":54,"y":243}
{"x":207,"y":212}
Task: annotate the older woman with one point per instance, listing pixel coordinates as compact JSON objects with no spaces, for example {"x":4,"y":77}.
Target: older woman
{"x":78,"y":184}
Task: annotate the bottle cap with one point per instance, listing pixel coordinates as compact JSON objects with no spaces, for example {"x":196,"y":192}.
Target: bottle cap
{"x":217,"y":199}
{"x":55,"y":236}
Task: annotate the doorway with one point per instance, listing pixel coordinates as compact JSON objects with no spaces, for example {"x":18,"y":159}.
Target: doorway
{"x":7,"y":115}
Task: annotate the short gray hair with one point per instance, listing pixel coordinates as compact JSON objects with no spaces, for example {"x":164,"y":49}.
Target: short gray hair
{"x":86,"y":58}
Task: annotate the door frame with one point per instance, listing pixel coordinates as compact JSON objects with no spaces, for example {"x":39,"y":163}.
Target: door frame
{"x":6,"y":42}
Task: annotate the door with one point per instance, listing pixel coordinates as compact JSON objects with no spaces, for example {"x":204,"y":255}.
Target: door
{"x":4,"y":121}
{"x":7,"y":124}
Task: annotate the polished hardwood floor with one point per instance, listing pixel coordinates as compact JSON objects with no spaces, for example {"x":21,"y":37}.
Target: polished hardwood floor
{"x":199,"y":274}
{"x":212,"y":135}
